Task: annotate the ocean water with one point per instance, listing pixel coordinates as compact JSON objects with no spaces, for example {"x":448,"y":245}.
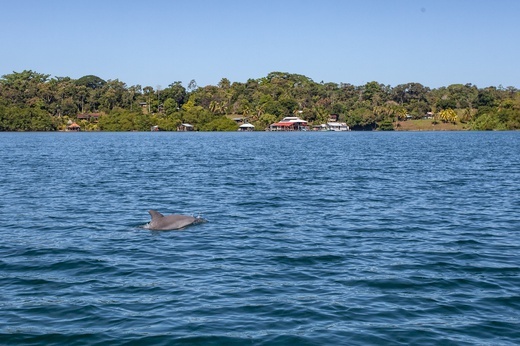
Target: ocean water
{"x":359,"y":238}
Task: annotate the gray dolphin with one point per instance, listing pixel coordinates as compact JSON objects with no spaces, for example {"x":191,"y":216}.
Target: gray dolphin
{"x":170,"y":222}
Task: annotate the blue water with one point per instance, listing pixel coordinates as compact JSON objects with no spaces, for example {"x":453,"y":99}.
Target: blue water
{"x":312,"y":238}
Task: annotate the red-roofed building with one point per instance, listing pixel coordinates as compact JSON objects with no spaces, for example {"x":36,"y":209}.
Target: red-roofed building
{"x":73,"y":127}
{"x":290,"y":124}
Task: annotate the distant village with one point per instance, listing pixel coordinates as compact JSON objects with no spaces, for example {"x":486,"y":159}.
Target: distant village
{"x":286,"y":124}
{"x":297,"y":124}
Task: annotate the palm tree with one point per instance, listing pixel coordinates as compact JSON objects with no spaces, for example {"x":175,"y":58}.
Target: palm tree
{"x":448,"y":115}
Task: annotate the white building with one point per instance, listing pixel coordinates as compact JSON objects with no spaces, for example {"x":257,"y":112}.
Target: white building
{"x":338,"y":126}
{"x":246,"y":127}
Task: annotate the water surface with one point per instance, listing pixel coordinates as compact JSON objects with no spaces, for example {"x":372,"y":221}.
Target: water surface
{"x":312,"y":238}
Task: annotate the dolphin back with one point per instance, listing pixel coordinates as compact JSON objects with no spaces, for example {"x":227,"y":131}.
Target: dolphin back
{"x":155,"y":214}
{"x":160,"y":222}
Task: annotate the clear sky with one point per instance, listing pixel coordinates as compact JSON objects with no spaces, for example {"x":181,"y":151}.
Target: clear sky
{"x":158,"y":42}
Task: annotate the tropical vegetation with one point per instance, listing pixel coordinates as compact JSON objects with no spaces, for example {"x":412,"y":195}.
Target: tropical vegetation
{"x":31,"y":101}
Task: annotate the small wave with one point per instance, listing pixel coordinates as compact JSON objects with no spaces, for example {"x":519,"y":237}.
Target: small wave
{"x":308,"y":259}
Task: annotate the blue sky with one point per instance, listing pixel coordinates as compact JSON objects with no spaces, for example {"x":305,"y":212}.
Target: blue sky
{"x":158,"y":42}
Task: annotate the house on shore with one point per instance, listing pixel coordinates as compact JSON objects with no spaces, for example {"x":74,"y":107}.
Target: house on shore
{"x":321,"y":127}
{"x":73,"y":127}
{"x":246,"y":127}
{"x":335,"y":126}
{"x":185,"y":128}
{"x":290,"y":124}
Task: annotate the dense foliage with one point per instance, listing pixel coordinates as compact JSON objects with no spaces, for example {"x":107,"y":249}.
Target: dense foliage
{"x":30,"y":101}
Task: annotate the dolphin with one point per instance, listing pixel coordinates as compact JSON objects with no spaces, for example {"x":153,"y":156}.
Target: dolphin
{"x":170,"y":222}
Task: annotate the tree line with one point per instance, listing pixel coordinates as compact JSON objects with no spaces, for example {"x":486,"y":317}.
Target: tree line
{"x":31,"y":101}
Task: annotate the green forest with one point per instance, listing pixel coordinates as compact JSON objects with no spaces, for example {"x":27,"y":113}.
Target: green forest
{"x":31,"y":101}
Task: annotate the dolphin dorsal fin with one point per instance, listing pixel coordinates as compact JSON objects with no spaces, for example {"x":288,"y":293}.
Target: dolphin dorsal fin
{"x":155,"y":214}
